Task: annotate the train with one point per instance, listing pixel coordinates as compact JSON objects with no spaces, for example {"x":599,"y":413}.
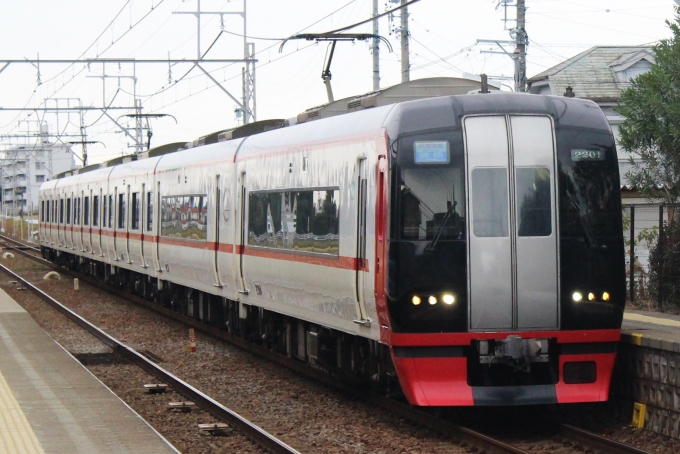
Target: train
{"x":457,"y":251}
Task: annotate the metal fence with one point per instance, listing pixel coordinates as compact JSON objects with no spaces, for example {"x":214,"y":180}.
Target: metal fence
{"x":651,"y":233}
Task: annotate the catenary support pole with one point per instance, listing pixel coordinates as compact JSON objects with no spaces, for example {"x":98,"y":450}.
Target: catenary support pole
{"x":376,"y":50}
{"x":405,"y":76}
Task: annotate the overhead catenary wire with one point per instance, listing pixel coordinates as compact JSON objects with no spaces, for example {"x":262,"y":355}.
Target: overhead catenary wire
{"x":132,"y":26}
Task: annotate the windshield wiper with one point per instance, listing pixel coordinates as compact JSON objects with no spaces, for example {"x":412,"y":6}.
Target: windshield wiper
{"x":430,"y":247}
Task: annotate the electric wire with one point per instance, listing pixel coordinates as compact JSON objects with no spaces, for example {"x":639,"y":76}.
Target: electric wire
{"x":132,"y":26}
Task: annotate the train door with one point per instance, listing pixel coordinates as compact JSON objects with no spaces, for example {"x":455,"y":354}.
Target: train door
{"x":99,"y":213}
{"x":68,"y":225}
{"x":243,"y":228}
{"x":126,"y":223}
{"x":512,"y":211}
{"x":139,"y":201}
{"x":78,"y":224}
{"x":62,"y":226}
{"x":361,"y":185}
{"x":87,"y":221}
{"x":159,"y":217}
{"x":216,"y":253}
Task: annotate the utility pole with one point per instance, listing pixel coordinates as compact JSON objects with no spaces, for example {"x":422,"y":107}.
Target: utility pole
{"x":404,"y":44}
{"x":376,"y":49}
{"x":247,"y":102}
{"x":521,"y":48}
{"x":521,"y":40}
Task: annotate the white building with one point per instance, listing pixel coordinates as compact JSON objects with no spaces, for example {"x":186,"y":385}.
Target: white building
{"x":24,"y":168}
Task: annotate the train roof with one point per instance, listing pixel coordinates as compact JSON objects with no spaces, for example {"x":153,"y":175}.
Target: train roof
{"x":446,"y":112}
{"x":408,"y":117}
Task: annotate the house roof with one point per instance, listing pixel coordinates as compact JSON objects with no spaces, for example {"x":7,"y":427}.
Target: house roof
{"x":593,"y":73}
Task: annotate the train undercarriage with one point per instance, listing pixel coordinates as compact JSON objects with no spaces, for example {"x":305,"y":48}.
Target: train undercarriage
{"x":345,"y":356}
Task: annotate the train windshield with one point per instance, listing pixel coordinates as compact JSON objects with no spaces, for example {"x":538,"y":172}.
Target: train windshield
{"x":427,"y":249}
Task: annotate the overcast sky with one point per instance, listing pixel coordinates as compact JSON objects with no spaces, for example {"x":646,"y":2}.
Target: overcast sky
{"x":442,"y":44}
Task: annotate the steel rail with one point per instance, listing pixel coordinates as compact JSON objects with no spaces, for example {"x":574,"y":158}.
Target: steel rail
{"x":414,"y":414}
{"x":252,"y":431}
{"x":420,"y":417}
{"x":605,"y":444}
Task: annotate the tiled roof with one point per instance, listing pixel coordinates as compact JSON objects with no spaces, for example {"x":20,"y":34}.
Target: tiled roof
{"x":592,"y":73}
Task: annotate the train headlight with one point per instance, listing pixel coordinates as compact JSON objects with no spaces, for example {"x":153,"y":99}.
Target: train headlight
{"x":577,"y":296}
{"x":432,"y":300}
{"x":448,"y":299}
{"x":605,"y":296}
{"x":415,"y":300}
{"x":591,"y":296}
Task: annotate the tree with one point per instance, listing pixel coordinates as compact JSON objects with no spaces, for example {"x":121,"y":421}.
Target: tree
{"x":651,"y":126}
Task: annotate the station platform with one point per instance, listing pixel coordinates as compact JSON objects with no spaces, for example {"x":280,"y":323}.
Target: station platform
{"x":646,"y":380}
{"x":50,"y":403}
{"x":651,"y":329}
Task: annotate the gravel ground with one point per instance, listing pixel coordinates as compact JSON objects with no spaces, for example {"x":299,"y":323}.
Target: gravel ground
{"x":306,"y":415}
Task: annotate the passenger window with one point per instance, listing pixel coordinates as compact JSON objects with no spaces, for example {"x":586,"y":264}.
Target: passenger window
{"x":76,"y":214}
{"x":305,"y":221}
{"x":86,"y":211}
{"x":121,"y":211}
{"x":68,"y":211}
{"x":149,"y":211}
{"x":135,"y":211}
{"x":95,"y":211}
{"x":111,"y":210}
{"x":42,"y":211}
{"x":61,"y":211}
{"x":185,"y":217}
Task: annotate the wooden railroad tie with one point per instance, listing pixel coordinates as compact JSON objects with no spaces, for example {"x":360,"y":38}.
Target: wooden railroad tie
{"x":216,"y":428}
{"x":184,"y":407}
{"x":155,"y":388}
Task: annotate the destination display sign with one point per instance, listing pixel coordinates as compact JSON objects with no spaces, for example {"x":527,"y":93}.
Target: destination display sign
{"x":431,"y":152}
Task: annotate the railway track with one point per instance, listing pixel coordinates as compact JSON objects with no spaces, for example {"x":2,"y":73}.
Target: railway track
{"x":251,"y":430}
{"x":462,"y":435}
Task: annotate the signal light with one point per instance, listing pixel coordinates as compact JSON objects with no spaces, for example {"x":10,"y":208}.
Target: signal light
{"x":432,"y":300}
{"x":448,"y":299}
{"x":415,"y":300}
{"x":591,"y":296}
{"x":605,"y":296}
{"x":577,"y":296}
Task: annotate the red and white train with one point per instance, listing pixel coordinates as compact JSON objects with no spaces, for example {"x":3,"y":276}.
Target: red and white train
{"x":466,"y":249}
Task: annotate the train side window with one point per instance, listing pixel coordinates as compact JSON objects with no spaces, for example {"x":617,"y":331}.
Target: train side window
{"x":304,"y":221}
{"x":149,"y":211}
{"x":121,"y":211}
{"x":490,"y":202}
{"x":86,"y":211}
{"x":61,"y":211}
{"x":95,"y":210}
{"x":105,"y":213}
{"x":42,"y":211}
{"x":68,"y":211}
{"x":185,"y":217}
{"x":111,"y":210}
{"x":76,"y":215}
{"x":135,"y":211}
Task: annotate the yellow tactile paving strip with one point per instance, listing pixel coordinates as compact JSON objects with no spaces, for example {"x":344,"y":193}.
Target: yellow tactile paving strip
{"x":16,"y":434}
{"x":648,"y":319}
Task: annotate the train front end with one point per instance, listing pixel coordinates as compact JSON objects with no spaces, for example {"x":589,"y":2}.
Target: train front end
{"x":506,"y":279}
